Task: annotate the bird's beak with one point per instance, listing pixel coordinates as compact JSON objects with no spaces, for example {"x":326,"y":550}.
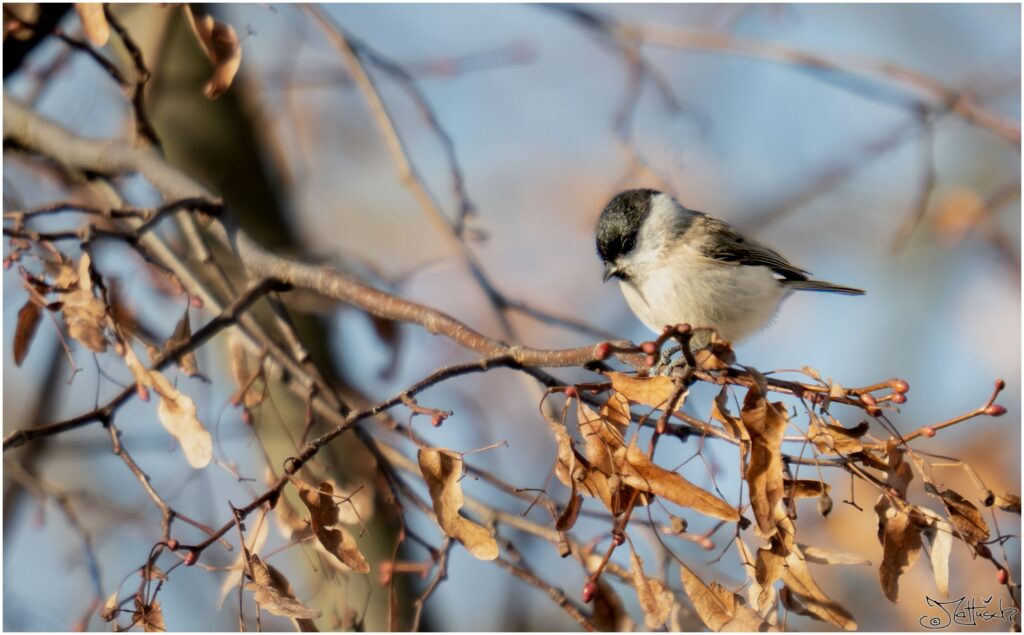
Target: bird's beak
{"x":609,"y":270}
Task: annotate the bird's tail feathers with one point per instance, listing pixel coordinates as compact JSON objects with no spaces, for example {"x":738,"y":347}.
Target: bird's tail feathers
{"x":819,"y":285}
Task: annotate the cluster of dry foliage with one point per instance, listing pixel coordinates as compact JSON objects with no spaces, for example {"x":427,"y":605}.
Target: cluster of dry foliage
{"x":605,"y":432}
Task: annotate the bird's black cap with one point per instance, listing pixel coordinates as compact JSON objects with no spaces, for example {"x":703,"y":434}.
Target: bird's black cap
{"x":620,"y":222}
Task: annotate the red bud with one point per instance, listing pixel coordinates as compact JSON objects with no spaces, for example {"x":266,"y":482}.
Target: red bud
{"x":142,"y":392}
{"x":1000,"y":385}
{"x":437,"y":420}
{"x":191,"y":558}
{"x":603,"y":351}
{"x":649,"y":347}
{"x":995,"y":410}
{"x":1002,"y":577}
{"x":898,"y":397}
{"x":589,"y":591}
{"x":928,"y":431}
{"x":706,"y":544}
{"x":868,"y":399}
{"x":247,"y":417}
{"x":898,"y":385}
{"x":196,"y":302}
{"x":172,"y":544}
{"x":618,"y":537}
{"x":683,"y":328}
{"x":652,"y":360}
{"x":571,"y":392}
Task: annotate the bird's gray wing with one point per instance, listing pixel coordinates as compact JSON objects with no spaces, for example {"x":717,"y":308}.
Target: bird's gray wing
{"x":726,"y":244}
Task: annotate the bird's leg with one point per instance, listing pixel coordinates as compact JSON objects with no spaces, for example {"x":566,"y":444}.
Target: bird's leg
{"x":666,"y":360}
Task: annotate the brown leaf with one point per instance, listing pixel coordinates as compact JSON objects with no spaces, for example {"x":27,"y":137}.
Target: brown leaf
{"x":220,"y":44}
{"x":176,"y":411}
{"x":966,"y":518}
{"x":797,"y":579}
{"x":109,"y":611}
{"x":442,"y":470}
{"x":719,"y":608}
{"x":1008,"y":503}
{"x":247,"y":373}
{"x":720,"y":412}
{"x":575,"y":472}
{"x":717,"y":356}
{"x":324,"y":515}
{"x":150,"y":616}
{"x":568,"y":518}
{"x":651,"y":391}
{"x":899,"y":535}
{"x":601,"y":439}
{"x":656,"y":600}
{"x":761,"y":596}
{"x":609,"y":613}
{"x":94,"y":23}
{"x":805,"y":488}
{"x":824,"y":556}
{"x":183,"y":333}
{"x":272,"y":592}
{"x":616,"y":411}
{"x":84,"y":314}
{"x":940,"y":534}
{"x":639,"y":472}
{"x":25,"y":331}
{"x":834,"y":438}
{"x":766,"y":423}
{"x":236,"y":570}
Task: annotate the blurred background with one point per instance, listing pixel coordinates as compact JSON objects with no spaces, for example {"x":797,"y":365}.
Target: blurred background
{"x":549,"y":114}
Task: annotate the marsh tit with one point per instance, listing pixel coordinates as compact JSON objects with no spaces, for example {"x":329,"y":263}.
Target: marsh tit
{"x":677,"y":265}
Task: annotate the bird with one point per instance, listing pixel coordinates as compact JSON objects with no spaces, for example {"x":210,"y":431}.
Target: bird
{"x":680,"y":266}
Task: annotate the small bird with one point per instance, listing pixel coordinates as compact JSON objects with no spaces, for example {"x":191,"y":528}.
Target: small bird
{"x":676,"y":265}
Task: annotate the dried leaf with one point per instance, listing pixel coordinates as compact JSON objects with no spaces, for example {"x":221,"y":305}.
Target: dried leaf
{"x":176,"y":411}
{"x":656,"y":600}
{"x":568,"y":518}
{"x":616,"y":411}
{"x":766,"y":423}
{"x":824,"y":556}
{"x":220,"y":44}
{"x":575,"y":472}
{"x":797,"y":579}
{"x":25,"y":331}
{"x":324,"y":515}
{"x":150,"y":616}
{"x":272,"y":592}
{"x":720,"y":412}
{"x":761,"y":596}
{"x":94,"y":23}
{"x":940,"y":534}
{"x":601,"y":439}
{"x":1008,"y":503}
{"x":639,"y":472}
{"x":183,"y":333}
{"x":966,"y":518}
{"x":718,"y":355}
{"x":653,"y":391}
{"x":243,"y":370}
{"x":899,"y":535}
{"x":109,"y":611}
{"x":805,"y":488}
{"x":237,"y":568}
{"x":835,"y":439}
{"x":609,"y":613}
{"x":719,"y":608}
{"x":442,"y":470}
